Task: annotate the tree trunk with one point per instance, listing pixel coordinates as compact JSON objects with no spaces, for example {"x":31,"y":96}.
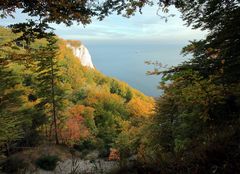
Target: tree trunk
{"x":54,"y":104}
{"x":7,"y":149}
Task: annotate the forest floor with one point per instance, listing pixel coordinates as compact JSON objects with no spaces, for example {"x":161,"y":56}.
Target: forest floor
{"x":70,"y":162}
{"x":75,"y":166}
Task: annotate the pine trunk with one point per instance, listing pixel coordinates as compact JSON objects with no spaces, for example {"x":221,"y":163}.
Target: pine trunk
{"x":54,"y":104}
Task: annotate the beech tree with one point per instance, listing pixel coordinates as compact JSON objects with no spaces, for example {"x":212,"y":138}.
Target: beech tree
{"x":51,"y":11}
{"x":79,"y":124}
{"x":197,"y":118}
{"x":204,"y":14}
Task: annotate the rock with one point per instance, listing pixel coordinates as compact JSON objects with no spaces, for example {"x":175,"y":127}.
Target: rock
{"x":82,"y":53}
{"x":99,"y":166}
{"x":92,"y":155}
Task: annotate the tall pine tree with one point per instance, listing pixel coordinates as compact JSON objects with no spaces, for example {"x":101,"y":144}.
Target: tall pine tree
{"x":48,"y":78}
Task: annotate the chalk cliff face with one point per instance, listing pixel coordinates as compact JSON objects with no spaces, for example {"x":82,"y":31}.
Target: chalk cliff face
{"x":82,"y":53}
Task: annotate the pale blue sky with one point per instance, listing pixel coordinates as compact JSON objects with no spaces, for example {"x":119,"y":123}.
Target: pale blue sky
{"x":141,"y":27}
{"x":147,"y":26}
{"x":119,"y":46}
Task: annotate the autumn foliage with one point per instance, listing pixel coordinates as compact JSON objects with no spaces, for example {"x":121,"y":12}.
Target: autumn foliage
{"x":92,"y":111}
{"x":75,"y":127}
{"x":114,"y":155}
{"x":139,"y":107}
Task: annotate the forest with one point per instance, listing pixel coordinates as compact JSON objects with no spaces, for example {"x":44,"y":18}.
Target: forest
{"x":53,"y":109}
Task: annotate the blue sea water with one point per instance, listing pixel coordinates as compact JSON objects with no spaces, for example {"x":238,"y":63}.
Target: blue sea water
{"x":125,"y":61}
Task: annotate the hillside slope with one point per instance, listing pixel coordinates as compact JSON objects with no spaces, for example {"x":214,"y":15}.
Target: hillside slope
{"x":93,"y":111}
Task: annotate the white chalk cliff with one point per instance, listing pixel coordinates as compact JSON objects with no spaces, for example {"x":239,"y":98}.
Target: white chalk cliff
{"x":82,"y":53}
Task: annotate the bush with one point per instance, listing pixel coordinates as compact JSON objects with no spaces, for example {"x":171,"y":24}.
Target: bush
{"x":104,"y":153}
{"x":14,"y":164}
{"x":47,"y":162}
{"x":85,"y":145}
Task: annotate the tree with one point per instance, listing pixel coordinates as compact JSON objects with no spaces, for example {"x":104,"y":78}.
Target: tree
{"x":200,"y":100}
{"x":129,"y":95}
{"x":79,"y":124}
{"x":114,"y":88}
{"x":11,"y":120}
{"x":65,"y":11}
{"x":206,"y":14}
{"x":196,"y":125}
{"x":51,"y":11}
{"x":48,"y":78}
{"x":140,"y":108}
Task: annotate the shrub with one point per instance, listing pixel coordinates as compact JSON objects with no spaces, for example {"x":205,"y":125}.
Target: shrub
{"x":48,"y":162}
{"x":114,"y":155}
{"x":14,"y":164}
{"x":104,"y":153}
{"x":85,"y":145}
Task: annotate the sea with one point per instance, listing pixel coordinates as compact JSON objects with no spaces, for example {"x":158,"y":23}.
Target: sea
{"x":126,"y":61}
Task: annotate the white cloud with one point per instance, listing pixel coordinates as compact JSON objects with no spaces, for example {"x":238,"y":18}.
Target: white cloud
{"x":148,"y":26}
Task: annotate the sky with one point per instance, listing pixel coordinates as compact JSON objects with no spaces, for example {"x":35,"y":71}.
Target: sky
{"x":147,"y":26}
{"x":116,"y":43}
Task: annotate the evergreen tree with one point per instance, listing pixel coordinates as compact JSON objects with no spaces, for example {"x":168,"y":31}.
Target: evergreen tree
{"x":11,"y":119}
{"x":48,"y":78}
